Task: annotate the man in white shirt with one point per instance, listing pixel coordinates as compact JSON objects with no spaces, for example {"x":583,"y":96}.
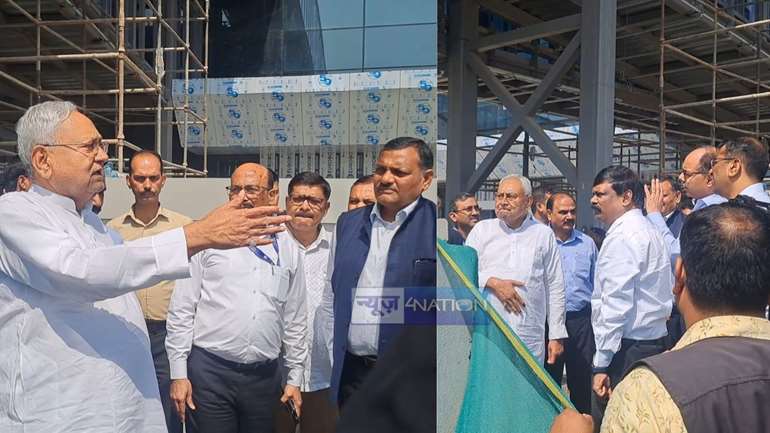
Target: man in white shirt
{"x":229,"y":322}
{"x":72,"y":359}
{"x":632,"y":295}
{"x":520,"y":264}
{"x":739,"y":167}
{"x":308,"y":202}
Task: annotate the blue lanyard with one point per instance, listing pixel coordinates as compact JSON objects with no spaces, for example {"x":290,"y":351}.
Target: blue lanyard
{"x":262,"y":256}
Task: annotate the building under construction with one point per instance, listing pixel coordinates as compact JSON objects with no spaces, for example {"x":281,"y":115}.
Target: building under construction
{"x":585,"y":84}
{"x":114,"y":59}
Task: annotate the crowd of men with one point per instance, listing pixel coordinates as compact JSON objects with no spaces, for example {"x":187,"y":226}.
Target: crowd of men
{"x":243,"y":321}
{"x":660,"y":278}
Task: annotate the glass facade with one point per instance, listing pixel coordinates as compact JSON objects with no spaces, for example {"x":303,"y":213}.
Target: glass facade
{"x":296,"y":37}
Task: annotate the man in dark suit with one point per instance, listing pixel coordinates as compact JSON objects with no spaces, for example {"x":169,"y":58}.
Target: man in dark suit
{"x":672,"y":195}
{"x":380,"y":249}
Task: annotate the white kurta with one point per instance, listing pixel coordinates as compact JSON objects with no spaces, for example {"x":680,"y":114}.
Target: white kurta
{"x":75,"y":352}
{"x":528,"y":254}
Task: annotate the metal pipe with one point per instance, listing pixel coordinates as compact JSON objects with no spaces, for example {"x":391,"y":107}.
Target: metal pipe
{"x":79,"y":92}
{"x":54,"y":33}
{"x":186,"y":83}
{"x":159,"y":83}
{"x":206,"y":89}
{"x":661,"y":91}
{"x":121,"y":80}
{"x":750,"y":96}
{"x":718,"y":31}
{"x":710,"y":66}
{"x":58,"y":57}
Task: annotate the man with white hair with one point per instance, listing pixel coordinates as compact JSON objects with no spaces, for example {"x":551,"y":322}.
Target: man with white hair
{"x":75,"y":352}
{"x":519,"y":263}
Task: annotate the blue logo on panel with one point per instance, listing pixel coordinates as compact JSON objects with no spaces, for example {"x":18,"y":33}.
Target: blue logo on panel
{"x":194,"y":130}
{"x":326,"y":124}
{"x":277,"y":96}
{"x":235,"y":114}
{"x":374,"y":97}
{"x":278,"y":117}
{"x":325,"y":103}
{"x":280,"y":136}
{"x":237,"y":134}
{"x":373,"y":119}
{"x":375,"y":74}
{"x":372,"y":139}
{"x":325,"y":80}
{"x":232,"y":92}
{"x":424,"y":85}
{"x":423,"y":108}
{"x":421,"y":130}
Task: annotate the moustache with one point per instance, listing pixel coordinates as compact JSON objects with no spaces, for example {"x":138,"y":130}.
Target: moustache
{"x":303,"y":215}
{"x":596,"y":209}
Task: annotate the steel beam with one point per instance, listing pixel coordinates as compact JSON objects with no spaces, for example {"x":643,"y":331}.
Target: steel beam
{"x":522,"y":116}
{"x":528,"y":33}
{"x":461,"y":132}
{"x":597,"y":99}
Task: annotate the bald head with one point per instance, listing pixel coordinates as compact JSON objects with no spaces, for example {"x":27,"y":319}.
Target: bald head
{"x":695,"y":178}
{"x":255,"y":181}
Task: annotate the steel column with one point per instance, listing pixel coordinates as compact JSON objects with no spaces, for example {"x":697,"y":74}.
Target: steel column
{"x":597,"y":99}
{"x":461,"y":131}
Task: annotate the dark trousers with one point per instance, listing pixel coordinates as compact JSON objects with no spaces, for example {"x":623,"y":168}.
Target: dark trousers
{"x":231,"y":397}
{"x":630,"y":352}
{"x":578,"y":351}
{"x":157,"y":331}
{"x":354,"y":371}
{"x":676,"y":328}
{"x":319,"y":414}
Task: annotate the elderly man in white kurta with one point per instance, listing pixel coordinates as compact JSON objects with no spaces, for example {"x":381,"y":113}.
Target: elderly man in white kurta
{"x":519,"y":264}
{"x":74,"y":352}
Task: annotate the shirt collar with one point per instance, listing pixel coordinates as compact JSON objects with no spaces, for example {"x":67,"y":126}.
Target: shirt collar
{"x":754,"y":190}
{"x":573,"y":237}
{"x":633,"y":213}
{"x":323,"y":239}
{"x":528,"y":221}
{"x":65,"y":202}
{"x":726,"y":326}
{"x":400,"y":216}
{"x":132,"y":216}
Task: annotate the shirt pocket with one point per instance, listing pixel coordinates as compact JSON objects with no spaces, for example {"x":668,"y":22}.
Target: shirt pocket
{"x":277,"y":284}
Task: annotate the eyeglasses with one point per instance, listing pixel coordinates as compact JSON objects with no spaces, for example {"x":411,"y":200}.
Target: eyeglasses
{"x":716,"y":161}
{"x":89,"y":150}
{"x":469,"y":209}
{"x":251,"y":190}
{"x":314,"y":202}
{"x":508,"y":196}
{"x":686,"y":175}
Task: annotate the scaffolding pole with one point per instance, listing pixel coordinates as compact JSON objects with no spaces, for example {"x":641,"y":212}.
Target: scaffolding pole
{"x":118,"y":56}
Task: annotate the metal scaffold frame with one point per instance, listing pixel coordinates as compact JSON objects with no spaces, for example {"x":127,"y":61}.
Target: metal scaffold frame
{"x":724,"y":24}
{"x":149,"y":87}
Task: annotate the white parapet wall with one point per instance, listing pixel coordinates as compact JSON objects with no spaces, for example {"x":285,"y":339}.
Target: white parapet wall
{"x":195,"y":197}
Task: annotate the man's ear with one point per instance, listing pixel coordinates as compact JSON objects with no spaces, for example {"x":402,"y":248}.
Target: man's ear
{"x":40,"y":162}
{"x":628,"y":198}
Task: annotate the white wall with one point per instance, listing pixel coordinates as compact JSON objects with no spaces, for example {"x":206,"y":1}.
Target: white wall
{"x":195,"y":197}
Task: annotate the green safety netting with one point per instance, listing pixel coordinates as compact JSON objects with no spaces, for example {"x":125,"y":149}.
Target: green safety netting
{"x":507,"y":391}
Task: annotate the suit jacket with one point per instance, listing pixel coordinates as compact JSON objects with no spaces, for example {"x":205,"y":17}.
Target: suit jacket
{"x":411,"y":263}
{"x":675,"y":222}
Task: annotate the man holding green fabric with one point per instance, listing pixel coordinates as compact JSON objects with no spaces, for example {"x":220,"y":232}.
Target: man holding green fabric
{"x":519,"y":263}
